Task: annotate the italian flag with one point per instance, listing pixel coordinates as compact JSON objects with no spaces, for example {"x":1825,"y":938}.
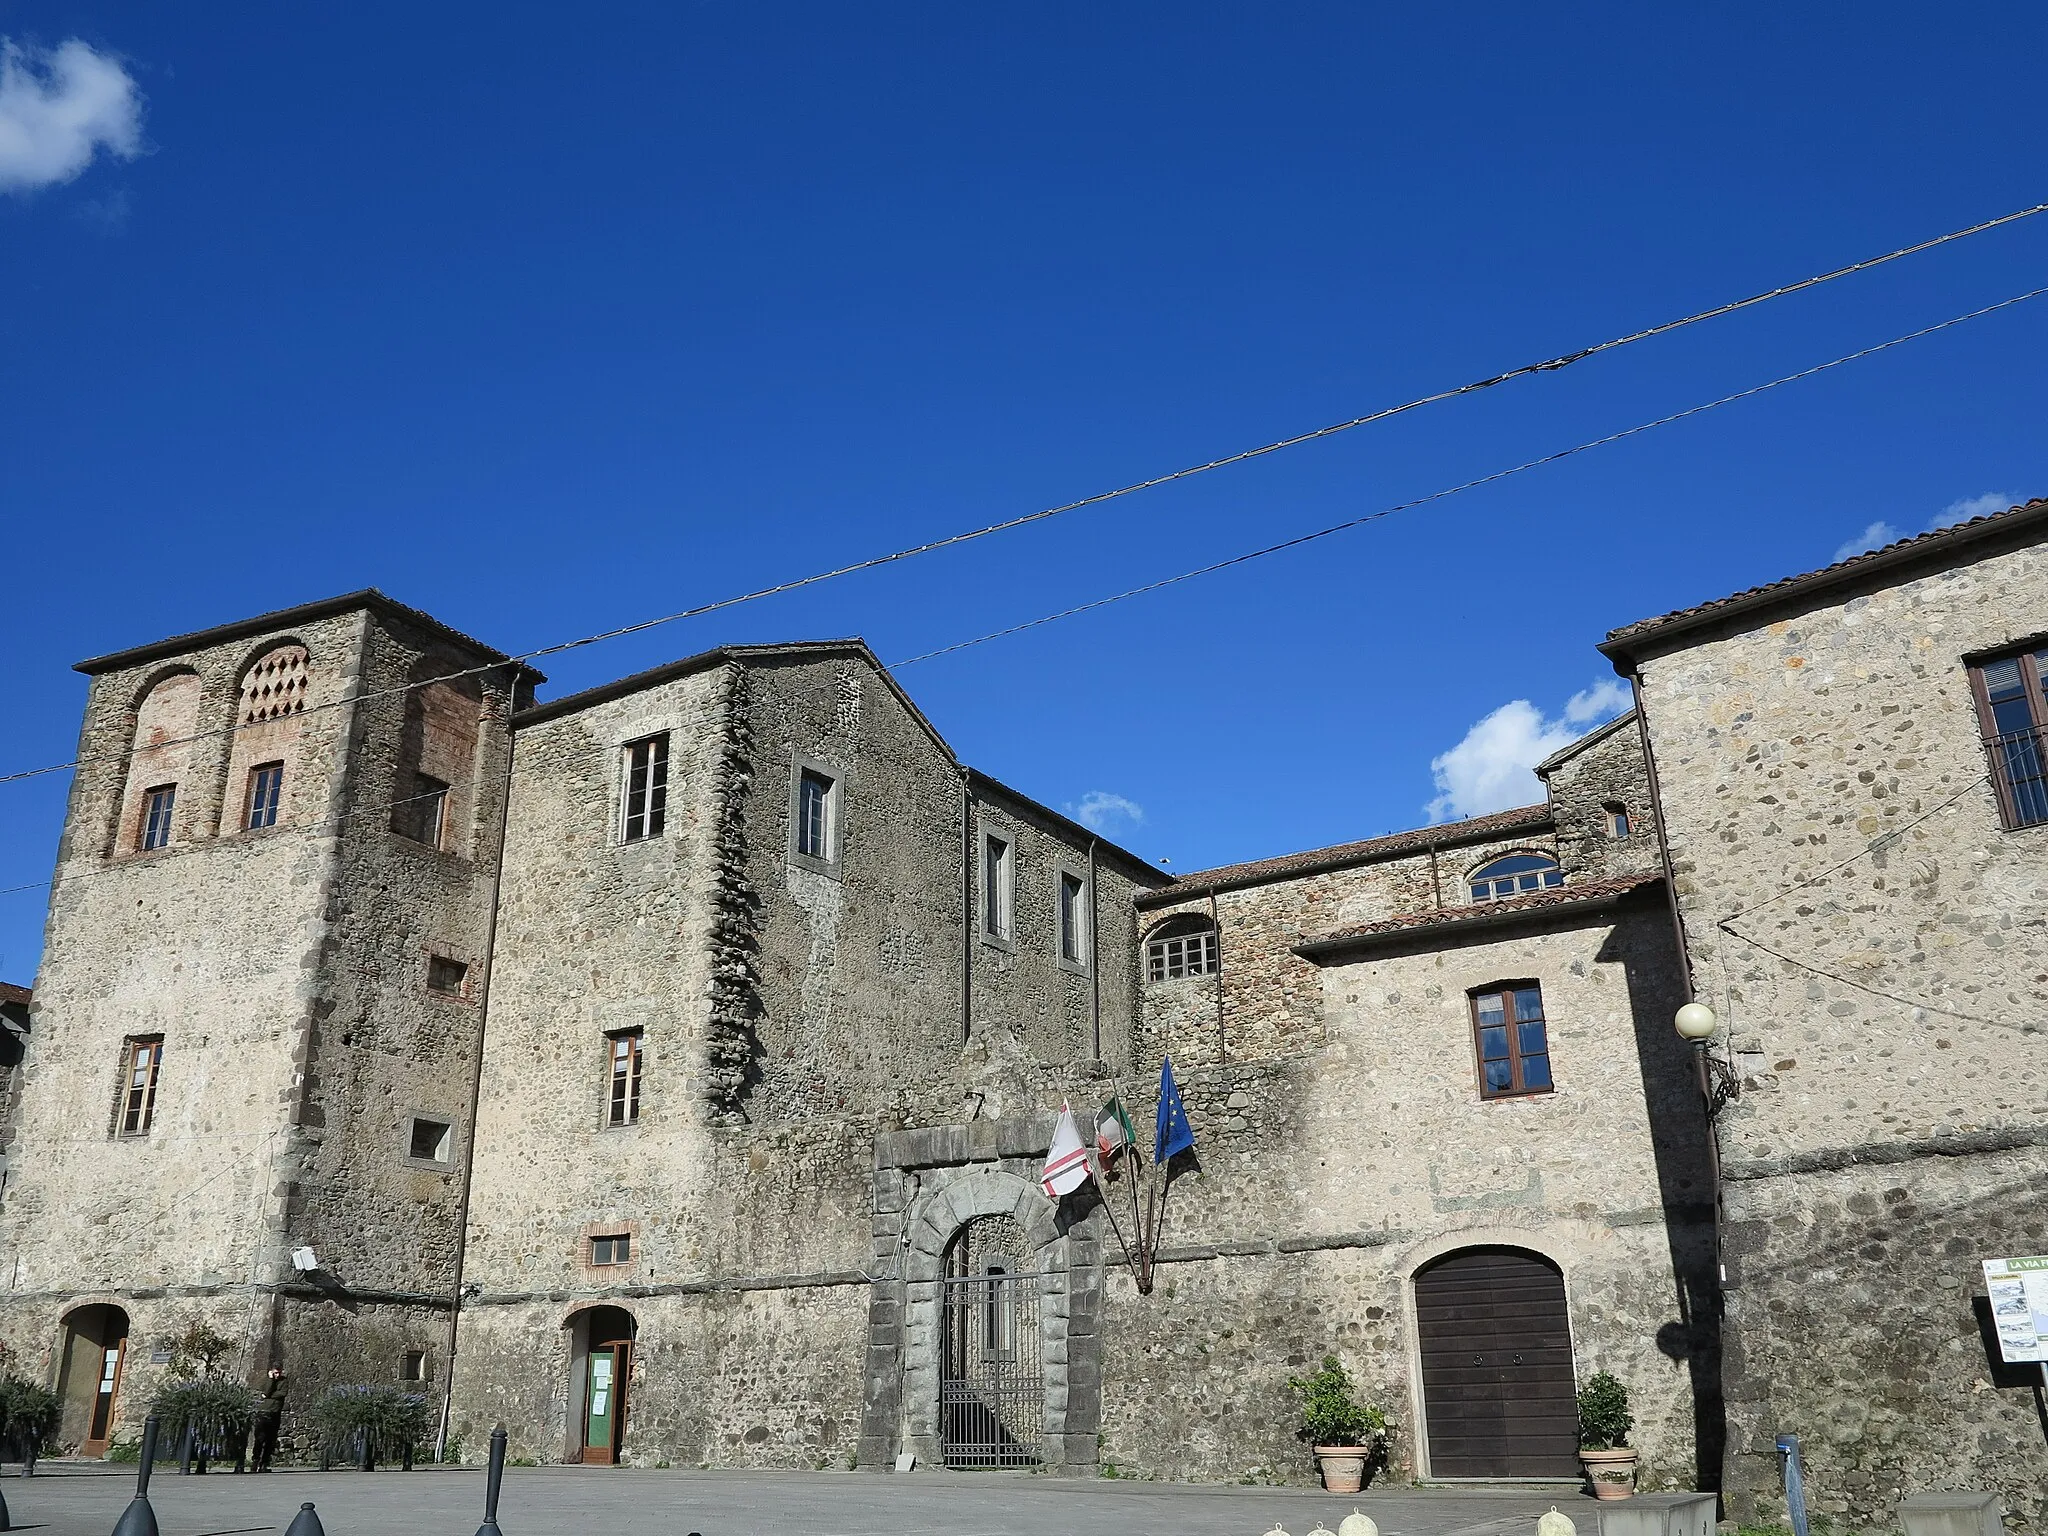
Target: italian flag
{"x":1113,"y":1129}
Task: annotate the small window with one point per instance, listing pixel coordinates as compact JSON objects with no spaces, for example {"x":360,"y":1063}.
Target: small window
{"x":266,"y":790}
{"x":412,"y":1365}
{"x":156,"y":816}
{"x":1513,"y":1041}
{"x":646,"y":803}
{"x":622,"y":1102}
{"x":997,"y":874}
{"x":421,"y":813}
{"x":448,"y":977}
{"x":431,"y":1139}
{"x":816,"y":810}
{"x":141,"y":1062}
{"x":1516,"y":875}
{"x":616,"y":1249}
{"x":2012,"y":707}
{"x":1073,"y":918}
{"x":1182,"y":946}
{"x":1617,"y":821}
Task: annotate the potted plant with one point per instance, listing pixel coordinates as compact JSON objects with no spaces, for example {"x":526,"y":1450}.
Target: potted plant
{"x":28,"y":1417}
{"x":370,"y":1424}
{"x":1604,"y":1423}
{"x":207,"y":1419}
{"x":1344,"y":1434}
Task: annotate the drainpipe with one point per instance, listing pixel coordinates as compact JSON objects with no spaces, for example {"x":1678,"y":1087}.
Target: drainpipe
{"x":967,"y":855}
{"x":1222,"y":1039}
{"x":476,"y":1076}
{"x":1094,"y":953}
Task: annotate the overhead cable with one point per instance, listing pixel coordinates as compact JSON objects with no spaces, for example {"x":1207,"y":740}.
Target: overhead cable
{"x":1548,"y":365}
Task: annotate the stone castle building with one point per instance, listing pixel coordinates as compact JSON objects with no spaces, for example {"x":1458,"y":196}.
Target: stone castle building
{"x":666,"y":1070}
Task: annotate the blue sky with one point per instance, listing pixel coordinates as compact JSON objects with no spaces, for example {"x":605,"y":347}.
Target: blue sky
{"x":547,"y":320}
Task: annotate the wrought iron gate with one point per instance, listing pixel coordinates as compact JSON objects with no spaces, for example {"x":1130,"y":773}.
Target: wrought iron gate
{"x":991,"y":1383}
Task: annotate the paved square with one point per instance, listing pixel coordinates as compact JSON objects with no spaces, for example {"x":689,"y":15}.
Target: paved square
{"x":579,"y":1501}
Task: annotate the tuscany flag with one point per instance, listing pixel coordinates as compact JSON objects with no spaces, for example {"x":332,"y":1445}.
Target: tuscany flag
{"x":1066,"y":1165}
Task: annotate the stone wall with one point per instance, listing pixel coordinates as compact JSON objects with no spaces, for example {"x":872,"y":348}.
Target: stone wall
{"x":1873,"y":941}
{"x":1604,"y":772}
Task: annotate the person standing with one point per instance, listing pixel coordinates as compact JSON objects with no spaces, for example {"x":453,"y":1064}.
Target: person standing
{"x":269,"y":1415}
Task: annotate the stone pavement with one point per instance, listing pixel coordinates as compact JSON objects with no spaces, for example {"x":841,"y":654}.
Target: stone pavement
{"x":86,"y":1500}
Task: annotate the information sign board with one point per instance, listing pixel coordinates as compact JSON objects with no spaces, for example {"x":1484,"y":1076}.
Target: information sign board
{"x":2019,"y":1307}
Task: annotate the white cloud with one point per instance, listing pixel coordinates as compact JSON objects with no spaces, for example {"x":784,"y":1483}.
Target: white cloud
{"x":58,"y":108}
{"x":1492,"y":769}
{"x":1876,"y":536}
{"x":1099,"y":811}
{"x":1881,"y":533}
{"x":1968,"y":507}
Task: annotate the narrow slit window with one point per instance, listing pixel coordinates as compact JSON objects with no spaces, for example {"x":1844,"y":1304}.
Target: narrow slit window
{"x":420,"y":815}
{"x":622,"y":1102}
{"x":995,"y":886}
{"x":144,"y":1059}
{"x":1513,"y":1041}
{"x":266,"y":793}
{"x":615,"y":1249}
{"x":157,"y":805}
{"x":412,"y":1366}
{"x":1617,"y":822}
{"x":814,"y":815}
{"x":646,"y":804}
{"x":1073,"y":918}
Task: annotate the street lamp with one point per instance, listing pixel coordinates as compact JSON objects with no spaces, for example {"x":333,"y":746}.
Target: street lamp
{"x":1695,"y":1024}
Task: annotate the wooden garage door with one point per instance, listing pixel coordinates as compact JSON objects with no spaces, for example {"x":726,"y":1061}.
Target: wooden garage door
{"x":1497,"y":1366}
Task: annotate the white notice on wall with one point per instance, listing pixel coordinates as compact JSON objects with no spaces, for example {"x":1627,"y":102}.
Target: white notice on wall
{"x":2019,"y":1306}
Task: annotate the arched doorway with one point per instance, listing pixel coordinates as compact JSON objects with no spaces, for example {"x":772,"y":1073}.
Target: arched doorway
{"x":1497,"y":1387}
{"x":601,"y":1363}
{"x":991,"y":1380}
{"x":89,"y":1380}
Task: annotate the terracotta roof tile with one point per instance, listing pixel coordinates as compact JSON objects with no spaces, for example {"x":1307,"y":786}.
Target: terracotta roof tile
{"x":1526,"y":818}
{"x":1535,"y":901}
{"x":1889,"y":554}
{"x":10,"y":993}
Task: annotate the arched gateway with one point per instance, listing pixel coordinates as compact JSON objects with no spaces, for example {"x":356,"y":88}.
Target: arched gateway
{"x":991,"y":1381}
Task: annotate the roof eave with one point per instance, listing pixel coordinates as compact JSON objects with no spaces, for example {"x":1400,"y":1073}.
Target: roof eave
{"x":2022,"y":525}
{"x":1073,"y":828}
{"x":1319,"y":950}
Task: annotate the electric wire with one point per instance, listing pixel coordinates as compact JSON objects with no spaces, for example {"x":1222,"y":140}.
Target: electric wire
{"x":1548,"y":365}
{"x":1500,"y":474}
{"x":1321,"y":533}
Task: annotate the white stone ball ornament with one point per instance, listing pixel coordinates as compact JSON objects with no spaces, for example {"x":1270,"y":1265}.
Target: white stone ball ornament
{"x":1356,"y":1524}
{"x":1555,"y":1524}
{"x":1695,"y":1022}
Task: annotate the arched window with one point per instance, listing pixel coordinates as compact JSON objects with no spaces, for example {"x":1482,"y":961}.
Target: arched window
{"x":1614,"y":817}
{"x":1182,"y":946}
{"x":154,"y":814}
{"x":1516,"y":875}
{"x":262,"y":758}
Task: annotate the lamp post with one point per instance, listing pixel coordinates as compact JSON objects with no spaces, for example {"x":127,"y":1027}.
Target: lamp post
{"x":1695,"y":1024}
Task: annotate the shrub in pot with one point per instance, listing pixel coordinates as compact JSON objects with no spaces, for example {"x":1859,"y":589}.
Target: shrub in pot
{"x":1345,"y":1435}
{"x":29,"y":1414}
{"x":1604,"y":1423}
{"x":369,"y":1424}
{"x":213,"y":1416}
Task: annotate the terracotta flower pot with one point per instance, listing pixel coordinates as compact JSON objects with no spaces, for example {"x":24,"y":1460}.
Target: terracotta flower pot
{"x":1612,"y":1473}
{"x":1342,"y":1466}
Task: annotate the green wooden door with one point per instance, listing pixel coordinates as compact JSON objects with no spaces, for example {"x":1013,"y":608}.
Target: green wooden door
{"x":601,"y":1409}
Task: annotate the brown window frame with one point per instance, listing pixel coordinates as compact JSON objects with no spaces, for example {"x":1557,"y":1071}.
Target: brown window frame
{"x":2022,"y":796}
{"x":135,"y":1105}
{"x":1518,"y":1086}
{"x":442,"y":966}
{"x":618,"y":1253}
{"x":622,"y":1088}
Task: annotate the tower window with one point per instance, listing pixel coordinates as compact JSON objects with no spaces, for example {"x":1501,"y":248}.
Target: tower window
{"x":1182,"y":946}
{"x":448,"y":977}
{"x":997,"y":872}
{"x":266,"y":791}
{"x":431,"y":1140}
{"x":615,"y":1249}
{"x":645,"y":810}
{"x":814,"y":818}
{"x":422,"y":812}
{"x":622,"y":1102}
{"x":156,"y":816}
{"x":142,"y":1060}
{"x":1073,"y":918}
{"x":1616,"y":816}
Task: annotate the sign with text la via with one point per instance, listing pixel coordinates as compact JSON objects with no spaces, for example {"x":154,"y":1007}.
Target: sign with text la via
{"x":2019,"y":1307}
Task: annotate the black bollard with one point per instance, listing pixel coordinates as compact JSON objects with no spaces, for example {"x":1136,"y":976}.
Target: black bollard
{"x":138,"y":1519}
{"x":305,"y":1523}
{"x":6,"y":1520}
{"x":492,"y":1479}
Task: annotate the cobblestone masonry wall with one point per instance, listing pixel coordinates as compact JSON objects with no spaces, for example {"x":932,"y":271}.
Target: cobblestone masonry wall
{"x":246,"y":950}
{"x":1890,"y":1016}
{"x":1607,"y":771}
{"x":1325,"y":1178}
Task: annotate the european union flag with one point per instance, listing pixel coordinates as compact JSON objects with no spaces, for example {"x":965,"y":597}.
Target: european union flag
{"x":1173,"y":1134}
